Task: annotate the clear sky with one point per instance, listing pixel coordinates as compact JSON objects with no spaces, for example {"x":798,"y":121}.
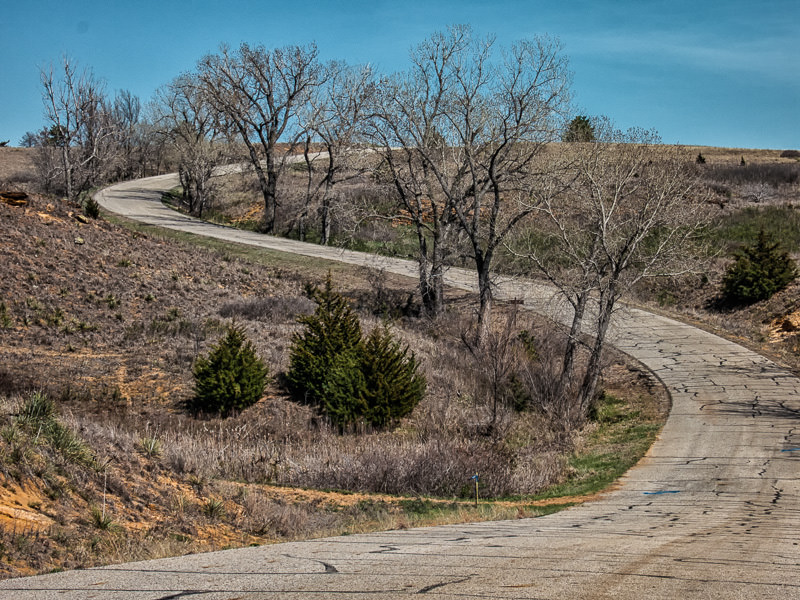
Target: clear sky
{"x":713,"y":72}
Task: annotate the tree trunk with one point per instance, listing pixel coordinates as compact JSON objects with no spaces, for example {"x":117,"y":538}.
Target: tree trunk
{"x":437,"y":288}
{"x":201,"y":195}
{"x":326,"y":213}
{"x":425,"y":289}
{"x":485,"y":296}
{"x":303,"y":218}
{"x":270,"y":192}
{"x":264,"y":186}
{"x":326,"y":219}
{"x":568,"y":365}
{"x":431,"y":276}
{"x":592,"y":376}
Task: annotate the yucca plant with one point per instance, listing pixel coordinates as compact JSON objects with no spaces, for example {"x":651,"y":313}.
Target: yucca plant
{"x":151,"y":446}
{"x":213,"y":508}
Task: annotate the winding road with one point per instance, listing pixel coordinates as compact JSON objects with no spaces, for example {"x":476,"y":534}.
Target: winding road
{"x":711,"y":512}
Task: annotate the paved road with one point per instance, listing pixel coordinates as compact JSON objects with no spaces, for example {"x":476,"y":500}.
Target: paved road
{"x":711,"y":512}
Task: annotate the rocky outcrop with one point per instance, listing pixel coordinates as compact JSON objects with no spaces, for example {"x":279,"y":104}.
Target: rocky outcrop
{"x":14,"y":198}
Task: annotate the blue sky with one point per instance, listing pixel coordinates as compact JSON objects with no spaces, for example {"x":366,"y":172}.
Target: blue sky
{"x":713,"y":73}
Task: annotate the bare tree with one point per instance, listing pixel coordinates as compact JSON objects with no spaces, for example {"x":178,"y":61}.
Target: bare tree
{"x":188,"y":121}
{"x":632,"y":210}
{"x":80,"y":126}
{"x":29,"y":140}
{"x":335,"y":118}
{"x":504,"y":114}
{"x":257,"y":92}
{"x":410,"y":125}
{"x":47,"y":158}
{"x":126,"y":114}
{"x":153,"y":146}
{"x":471,"y":121}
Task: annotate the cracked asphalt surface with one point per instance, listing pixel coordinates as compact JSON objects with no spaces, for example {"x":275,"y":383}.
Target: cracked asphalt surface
{"x":711,"y":512}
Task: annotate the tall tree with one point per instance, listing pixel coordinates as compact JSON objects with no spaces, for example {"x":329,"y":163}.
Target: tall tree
{"x":412,"y":127}
{"x":187,"y":120}
{"x":335,"y":118}
{"x":504,"y":122}
{"x":632,"y":210}
{"x":462,"y":132}
{"x":126,"y":113}
{"x":257,"y":92}
{"x":80,"y":127}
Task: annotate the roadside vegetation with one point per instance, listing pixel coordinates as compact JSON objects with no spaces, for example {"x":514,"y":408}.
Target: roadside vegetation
{"x":757,"y":199}
{"x":161,"y":393}
{"x":132,"y":474}
{"x":105,"y":335}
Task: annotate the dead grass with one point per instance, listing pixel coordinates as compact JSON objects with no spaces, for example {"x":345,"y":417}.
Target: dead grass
{"x":16,"y":167}
{"x":110,"y":327}
{"x":733,"y":156}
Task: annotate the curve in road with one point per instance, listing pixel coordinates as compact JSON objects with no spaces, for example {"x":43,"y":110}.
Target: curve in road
{"x":711,"y":512}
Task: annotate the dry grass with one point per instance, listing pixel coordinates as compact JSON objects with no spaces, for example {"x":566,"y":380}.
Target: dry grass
{"x":16,"y":167}
{"x":110,"y":327}
{"x":733,"y":156}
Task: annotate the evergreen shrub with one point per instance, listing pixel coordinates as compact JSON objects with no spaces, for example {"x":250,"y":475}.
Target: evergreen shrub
{"x":580,"y":129}
{"x":760,"y":270}
{"x":349,"y":378}
{"x":332,"y":332}
{"x":231,"y":378}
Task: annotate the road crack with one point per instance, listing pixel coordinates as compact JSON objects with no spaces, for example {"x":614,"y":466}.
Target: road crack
{"x":436,"y":586}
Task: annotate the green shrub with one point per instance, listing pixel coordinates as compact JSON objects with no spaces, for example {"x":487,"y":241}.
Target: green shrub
{"x":331,"y":332}
{"x":580,"y":129}
{"x":344,"y":390}
{"x":349,"y":378}
{"x":393,"y":385}
{"x":91,"y":208}
{"x":759,"y":271}
{"x":231,"y":378}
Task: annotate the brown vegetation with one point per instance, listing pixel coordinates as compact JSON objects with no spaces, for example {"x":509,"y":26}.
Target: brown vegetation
{"x":108,"y":321}
{"x":764,"y":190}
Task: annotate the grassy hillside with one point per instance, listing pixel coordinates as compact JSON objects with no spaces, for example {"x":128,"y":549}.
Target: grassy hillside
{"x":99,"y":326}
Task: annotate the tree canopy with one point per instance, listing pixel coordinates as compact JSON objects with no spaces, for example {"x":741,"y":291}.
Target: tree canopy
{"x":580,"y":129}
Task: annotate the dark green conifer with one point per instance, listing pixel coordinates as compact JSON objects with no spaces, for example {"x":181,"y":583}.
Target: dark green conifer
{"x":333,"y":330}
{"x":351,"y":379}
{"x":759,"y":271}
{"x":393,"y":385}
{"x":345,"y":390}
{"x":580,"y":129}
{"x":231,"y":378}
